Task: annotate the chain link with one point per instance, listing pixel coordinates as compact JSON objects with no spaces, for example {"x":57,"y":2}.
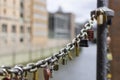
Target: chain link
{"x":32,"y":67}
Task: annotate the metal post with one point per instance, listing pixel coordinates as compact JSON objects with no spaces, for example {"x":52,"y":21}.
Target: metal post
{"x":101,"y":50}
{"x":101,"y":47}
{"x":101,"y":41}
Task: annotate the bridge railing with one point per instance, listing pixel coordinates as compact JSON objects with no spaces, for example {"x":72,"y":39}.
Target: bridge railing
{"x":51,"y":64}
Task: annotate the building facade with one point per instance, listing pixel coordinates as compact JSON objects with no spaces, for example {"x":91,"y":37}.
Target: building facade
{"x":115,"y":42}
{"x":23,"y":22}
{"x":39,"y":33}
{"x":61,"y":25}
{"x":14,"y":22}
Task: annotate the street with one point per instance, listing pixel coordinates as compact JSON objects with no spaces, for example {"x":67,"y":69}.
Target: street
{"x":80,"y":68}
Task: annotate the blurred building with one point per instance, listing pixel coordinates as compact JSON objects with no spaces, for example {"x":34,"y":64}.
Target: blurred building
{"x":14,"y":22}
{"x":115,"y":42}
{"x":61,"y":25}
{"x":39,"y":23}
{"x":23,"y":22}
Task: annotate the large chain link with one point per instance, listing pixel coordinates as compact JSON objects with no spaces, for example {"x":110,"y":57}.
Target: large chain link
{"x":31,"y":67}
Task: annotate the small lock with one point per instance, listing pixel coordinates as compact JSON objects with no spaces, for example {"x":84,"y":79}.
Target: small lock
{"x":47,"y":73}
{"x":16,"y":73}
{"x":83,"y":43}
{"x":51,"y":71}
{"x":90,"y":34}
{"x":109,"y":76}
{"x":34,"y":75}
{"x":70,"y":56}
{"x":16,"y":77}
{"x":64,"y":61}
{"x":100,"y":17}
{"x":25,"y":75}
{"x":77,"y":51}
{"x":56,"y":67}
{"x":6,"y":77}
{"x":109,"y":56}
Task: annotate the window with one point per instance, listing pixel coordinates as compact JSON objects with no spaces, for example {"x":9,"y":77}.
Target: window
{"x":4,"y":28}
{"x":21,"y":9}
{"x":21,"y":29}
{"x":21,"y":4}
{"x":29,"y":29}
{"x":4,"y":11}
{"x":14,"y":29}
{"x":21,"y":40}
{"x":21,"y":15}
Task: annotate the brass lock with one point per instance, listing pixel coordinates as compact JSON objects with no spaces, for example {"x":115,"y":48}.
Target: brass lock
{"x":77,"y":51}
{"x":69,"y":55}
{"x":109,"y":76}
{"x":64,"y":60}
{"x":56,"y":66}
{"x":109,"y":56}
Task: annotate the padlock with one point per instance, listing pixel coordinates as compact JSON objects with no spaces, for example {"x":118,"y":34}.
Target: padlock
{"x":69,"y":55}
{"x":16,"y":73}
{"x":77,"y":51}
{"x":34,"y":75}
{"x":25,"y":73}
{"x":109,"y":56}
{"x":6,"y":77}
{"x":16,"y":77}
{"x":100,"y":18}
{"x":109,"y":76}
{"x":56,"y":66}
{"x":64,"y":60}
{"x":108,"y":40}
{"x":83,"y":43}
{"x":25,"y":76}
{"x":46,"y":72}
{"x":33,"y":69}
{"x":90,"y":33}
{"x":51,"y":70}
{"x":4,"y":72}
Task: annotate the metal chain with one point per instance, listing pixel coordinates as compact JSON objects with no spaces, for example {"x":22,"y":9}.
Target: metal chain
{"x":32,"y":67}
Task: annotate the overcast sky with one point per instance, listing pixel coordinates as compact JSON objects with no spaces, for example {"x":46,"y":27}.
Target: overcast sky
{"x":81,"y":8}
